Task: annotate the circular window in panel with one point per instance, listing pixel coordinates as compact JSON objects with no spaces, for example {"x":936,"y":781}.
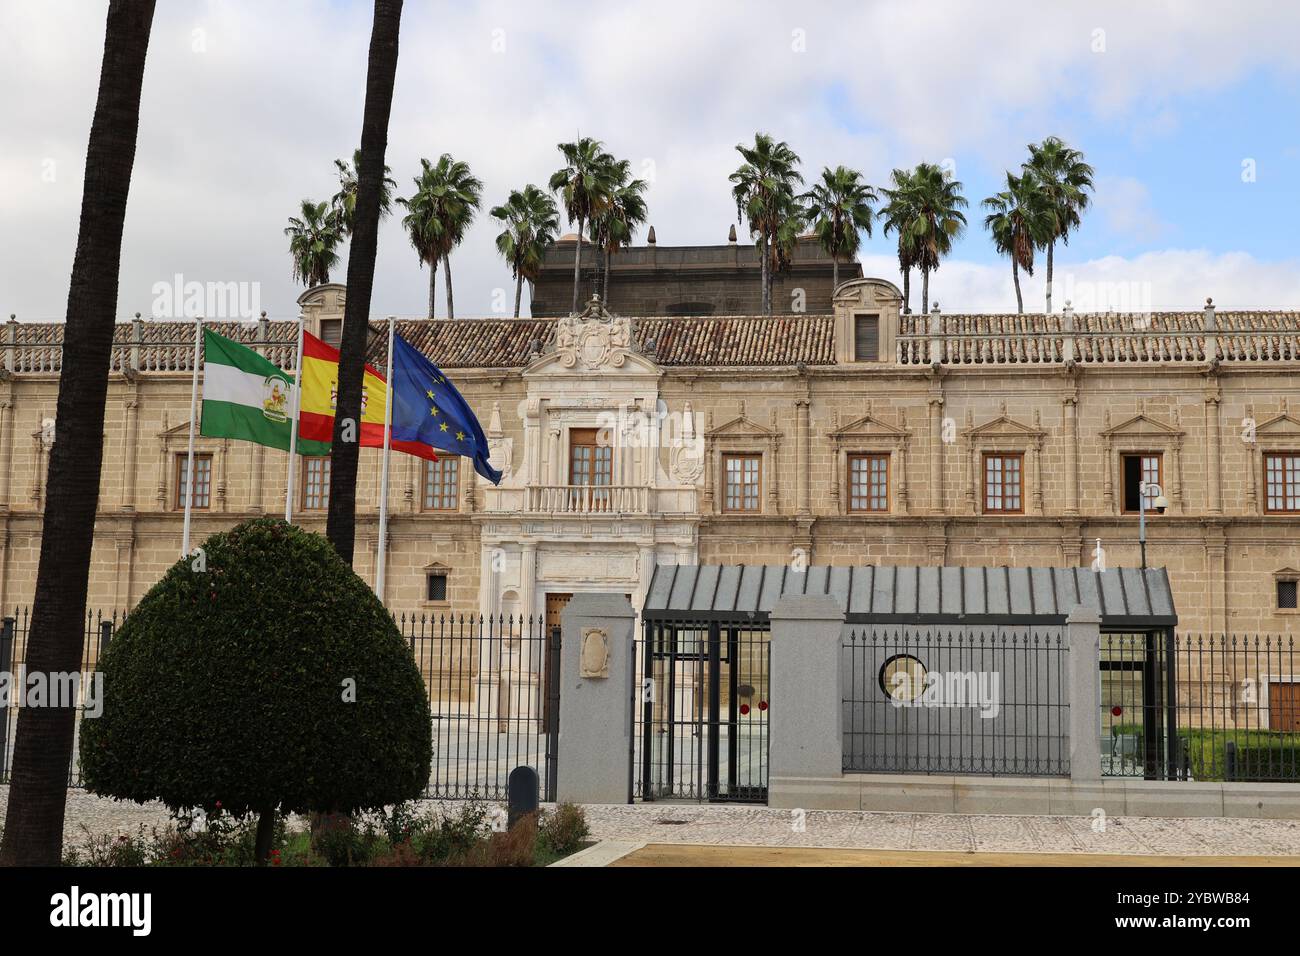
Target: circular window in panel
{"x":902,"y":678}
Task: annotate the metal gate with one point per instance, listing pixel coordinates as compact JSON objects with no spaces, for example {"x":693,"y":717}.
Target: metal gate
{"x":700,"y":700}
{"x":494,"y":696}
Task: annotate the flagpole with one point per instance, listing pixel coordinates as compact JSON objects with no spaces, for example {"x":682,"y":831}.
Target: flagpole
{"x":189,"y":458}
{"x":293,"y":428}
{"x":383,"y":479}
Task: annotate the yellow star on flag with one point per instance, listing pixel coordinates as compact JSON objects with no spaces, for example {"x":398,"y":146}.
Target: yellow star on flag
{"x":444,"y":426}
{"x":460,"y":436}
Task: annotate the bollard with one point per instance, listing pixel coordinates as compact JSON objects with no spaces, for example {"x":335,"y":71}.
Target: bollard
{"x":521,"y":794}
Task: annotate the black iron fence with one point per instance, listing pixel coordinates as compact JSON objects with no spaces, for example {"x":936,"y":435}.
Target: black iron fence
{"x":492,"y":684}
{"x":494,"y":695}
{"x":955,"y":699}
{"x":1208,"y":707}
{"x":700,"y":701}
{"x":99,"y":626}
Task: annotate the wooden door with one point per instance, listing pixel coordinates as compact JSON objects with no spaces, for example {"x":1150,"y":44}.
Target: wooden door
{"x":1284,"y":706}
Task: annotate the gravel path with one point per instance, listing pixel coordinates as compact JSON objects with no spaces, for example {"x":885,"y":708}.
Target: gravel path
{"x":761,"y":826}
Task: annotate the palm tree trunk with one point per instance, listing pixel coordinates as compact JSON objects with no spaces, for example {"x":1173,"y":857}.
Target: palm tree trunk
{"x":925,"y":290}
{"x":38,"y":792}
{"x":1015,"y":277}
{"x":340,"y":525}
{"x":433,"y":284}
{"x":1051,"y":246}
{"x":446,"y":274}
{"x":762,"y":275}
{"x":577,"y":263}
{"x":604,"y":288}
{"x":519,"y":292}
{"x":835,"y":274}
{"x":907,"y":291}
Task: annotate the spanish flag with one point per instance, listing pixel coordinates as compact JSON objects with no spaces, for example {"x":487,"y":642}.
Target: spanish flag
{"x":320,"y":377}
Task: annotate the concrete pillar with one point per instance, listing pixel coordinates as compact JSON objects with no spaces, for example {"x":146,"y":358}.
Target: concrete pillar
{"x":1083,"y":636}
{"x":132,"y":406}
{"x":595,"y":710}
{"x":806,"y":723}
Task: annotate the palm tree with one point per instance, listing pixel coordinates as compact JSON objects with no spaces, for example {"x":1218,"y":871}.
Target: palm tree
{"x":585,"y":185}
{"x":313,"y":240}
{"x":1019,"y":221}
{"x":763,"y":187}
{"x":531,"y":221}
{"x":613,"y":228}
{"x":340,"y":525}
{"x":899,"y":213}
{"x":791,"y":222}
{"x":935,"y":201}
{"x":33,"y":832}
{"x":345,"y":200}
{"x":1063,"y":179}
{"x":446,"y":197}
{"x":841,"y":209}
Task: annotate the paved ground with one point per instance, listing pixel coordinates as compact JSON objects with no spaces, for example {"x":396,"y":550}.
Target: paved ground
{"x":667,"y":854}
{"x":759,"y":826}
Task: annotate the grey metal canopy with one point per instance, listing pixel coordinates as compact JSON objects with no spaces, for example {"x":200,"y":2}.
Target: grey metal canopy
{"x":1125,"y":597}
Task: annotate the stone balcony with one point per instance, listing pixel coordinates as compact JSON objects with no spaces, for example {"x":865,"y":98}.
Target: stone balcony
{"x":591,"y":500}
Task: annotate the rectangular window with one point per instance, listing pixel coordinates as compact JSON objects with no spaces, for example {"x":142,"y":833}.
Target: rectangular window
{"x":202,"y":481}
{"x":331,"y":331}
{"x":1282,"y":482}
{"x":1138,"y":468}
{"x":1003,"y":485}
{"x":866,"y":338}
{"x":591,"y":468}
{"x":316,"y":483}
{"x":1286,"y":595}
{"x":742,"y":480}
{"x":869,"y":482}
{"x":441,"y":484}
{"x":436,"y":586}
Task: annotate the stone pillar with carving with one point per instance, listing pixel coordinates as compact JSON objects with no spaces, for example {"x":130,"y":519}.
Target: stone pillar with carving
{"x":803,"y":441}
{"x":6,"y":440}
{"x":936,"y":454}
{"x":1213,"y":446}
{"x":528,"y":579}
{"x":1070,"y":412}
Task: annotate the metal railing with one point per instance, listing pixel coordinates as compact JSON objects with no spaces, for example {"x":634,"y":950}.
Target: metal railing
{"x":1231,"y":704}
{"x":955,"y":699}
{"x":492,"y":683}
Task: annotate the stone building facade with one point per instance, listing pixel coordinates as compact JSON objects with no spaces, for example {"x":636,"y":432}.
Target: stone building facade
{"x":688,"y":280}
{"x":855,"y":436}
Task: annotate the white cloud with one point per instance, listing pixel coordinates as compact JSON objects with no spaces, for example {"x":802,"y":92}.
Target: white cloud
{"x":1175,"y":280}
{"x":233,"y":137}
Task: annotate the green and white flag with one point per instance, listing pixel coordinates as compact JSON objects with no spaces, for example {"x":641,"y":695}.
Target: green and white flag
{"x":247,"y":397}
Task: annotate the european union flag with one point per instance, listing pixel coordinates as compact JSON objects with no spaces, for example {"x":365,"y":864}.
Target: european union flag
{"x":428,"y":409}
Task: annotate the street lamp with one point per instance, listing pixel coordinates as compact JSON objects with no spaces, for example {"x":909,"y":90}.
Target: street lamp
{"x":1159,"y":503}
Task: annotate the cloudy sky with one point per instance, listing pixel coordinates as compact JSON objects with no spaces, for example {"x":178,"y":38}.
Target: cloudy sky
{"x":1187,"y":110}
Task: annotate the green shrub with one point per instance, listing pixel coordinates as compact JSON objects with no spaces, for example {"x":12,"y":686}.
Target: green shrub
{"x":270,"y":679}
{"x":563,"y":830}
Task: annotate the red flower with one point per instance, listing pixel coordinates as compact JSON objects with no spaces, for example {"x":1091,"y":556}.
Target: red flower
{"x":1116,"y":711}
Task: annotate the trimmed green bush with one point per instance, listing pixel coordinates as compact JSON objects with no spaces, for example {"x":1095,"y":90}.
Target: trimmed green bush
{"x":264,"y":676}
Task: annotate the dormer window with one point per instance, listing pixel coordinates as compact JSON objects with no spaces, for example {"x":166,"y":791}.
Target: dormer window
{"x":866,"y":338}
